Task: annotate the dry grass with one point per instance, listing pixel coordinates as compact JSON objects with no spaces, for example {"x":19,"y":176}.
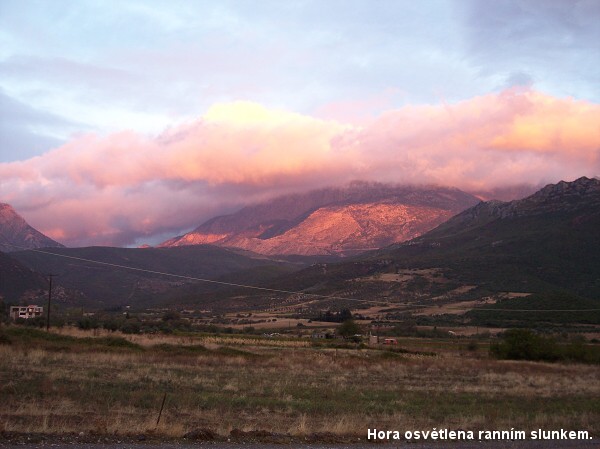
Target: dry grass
{"x":156,"y":339}
{"x":285,"y":389}
{"x":454,"y":308}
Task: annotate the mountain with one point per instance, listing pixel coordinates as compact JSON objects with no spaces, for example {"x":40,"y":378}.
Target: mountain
{"x":105,"y":285}
{"x":333,"y":221}
{"x":16,"y":234}
{"x":545,"y":243}
{"x":547,"y":240}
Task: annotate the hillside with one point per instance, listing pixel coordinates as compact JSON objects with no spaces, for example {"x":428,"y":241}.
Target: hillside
{"x":104,"y":285}
{"x":549,"y":239}
{"x":16,"y":234}
{"x":333,"y":221}
{"x":17,"y":281}
{"x":547,"y":242}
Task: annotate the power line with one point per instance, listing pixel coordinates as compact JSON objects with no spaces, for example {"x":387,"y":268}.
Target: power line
{"x":421,"y":306}
{"x":290,"y":292}
{"x":192,"y":278}
{"x":522,"y":310}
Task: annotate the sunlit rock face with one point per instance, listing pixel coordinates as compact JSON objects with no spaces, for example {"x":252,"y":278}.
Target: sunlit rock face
{"x":16,"y":234}
{"x":337,"y":221}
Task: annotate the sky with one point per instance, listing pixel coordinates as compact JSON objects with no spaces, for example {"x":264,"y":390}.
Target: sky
{"x":129,"y":122}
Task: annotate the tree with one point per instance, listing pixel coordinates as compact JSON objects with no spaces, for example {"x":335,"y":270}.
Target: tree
{"x":344,"y":315}
{"x":349,"y":328}
{"x":171,"y":316}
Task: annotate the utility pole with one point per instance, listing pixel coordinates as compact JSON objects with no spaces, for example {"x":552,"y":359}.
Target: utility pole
{"x":50,"y":276}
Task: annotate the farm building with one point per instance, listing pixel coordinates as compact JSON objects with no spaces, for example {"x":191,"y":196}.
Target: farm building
{"x":26,"y":312}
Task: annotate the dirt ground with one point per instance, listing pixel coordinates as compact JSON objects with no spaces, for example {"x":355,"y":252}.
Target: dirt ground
{"x":185,"y":444}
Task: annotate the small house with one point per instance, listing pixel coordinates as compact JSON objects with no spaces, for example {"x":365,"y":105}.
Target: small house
{"x":26,"y":312}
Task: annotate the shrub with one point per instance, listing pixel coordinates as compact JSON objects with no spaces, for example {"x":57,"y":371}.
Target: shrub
{"x":32,"y":322}
{"x":349,"y":328}
{"x":111,"y":325}
{"x":87,"y":323}
{"x":523,"y":344}
{"x":131,"y":327}
{"x":171,"y":316}
{"x":472,"y":346}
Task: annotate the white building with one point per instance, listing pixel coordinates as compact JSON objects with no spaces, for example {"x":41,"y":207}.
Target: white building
{"x":25,"y":312}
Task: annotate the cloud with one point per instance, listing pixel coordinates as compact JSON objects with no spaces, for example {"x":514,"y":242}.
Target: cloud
{"x":517,"y":136}
{"x":147,"y":65}
{"x":24,"y":130}
{"x":553,"y":42}
{"x":125,"y":187}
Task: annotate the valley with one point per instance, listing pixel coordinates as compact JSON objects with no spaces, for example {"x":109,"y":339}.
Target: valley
{"x":538,"y":256}
{"x":302,"y":224}
{"x":494,"y":309}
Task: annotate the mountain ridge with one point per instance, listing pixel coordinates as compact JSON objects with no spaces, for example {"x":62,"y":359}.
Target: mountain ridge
{"x":543,"y":243}
{"x":552,"y":198}
{"x":548,"y":240}
{"x":332,"y":221}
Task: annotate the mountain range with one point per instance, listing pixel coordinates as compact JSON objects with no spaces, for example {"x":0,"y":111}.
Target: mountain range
{"x":333,"y":221}
{"x":545,"y":242}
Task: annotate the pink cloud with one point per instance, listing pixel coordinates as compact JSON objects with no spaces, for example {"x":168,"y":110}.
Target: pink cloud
{"x":124,"y":187}
{"x":513,"y":137}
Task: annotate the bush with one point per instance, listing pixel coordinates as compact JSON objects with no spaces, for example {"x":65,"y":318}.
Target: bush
{"x":32,"y":322}
{"x":131,"y":327}
{"x":171,"y":316}
{"x":523,"y":344}
{"x":87,"y":323}
{"x":111,"y":325}
{"x":472,"y":346}
{"x":349,"y":328}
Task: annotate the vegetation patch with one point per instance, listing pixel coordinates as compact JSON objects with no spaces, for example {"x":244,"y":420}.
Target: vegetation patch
{"x":180,"y":349}
{"x":523,"y":344}
{"x":555,"y":307}
{"x":39,"y":339}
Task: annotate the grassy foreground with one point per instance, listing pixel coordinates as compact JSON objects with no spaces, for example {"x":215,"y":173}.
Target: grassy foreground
{"x":109,"y":385}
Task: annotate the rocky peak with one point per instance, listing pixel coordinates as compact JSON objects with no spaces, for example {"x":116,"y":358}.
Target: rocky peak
{"x":16,"y":234}
{"x":581,"y":195}
{"x":579,"y":188}
{"x":583,"y":192}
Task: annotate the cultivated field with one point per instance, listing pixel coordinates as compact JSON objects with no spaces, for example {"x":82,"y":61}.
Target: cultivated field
{"x":111,"y":385}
